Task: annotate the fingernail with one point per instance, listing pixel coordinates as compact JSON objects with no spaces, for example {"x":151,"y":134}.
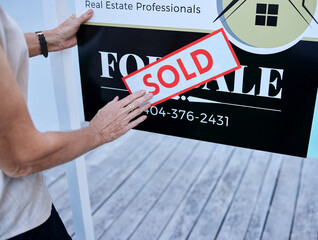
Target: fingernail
{"x":89,"y":12}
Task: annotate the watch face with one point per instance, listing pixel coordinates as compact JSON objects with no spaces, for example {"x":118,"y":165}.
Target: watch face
{"x":266,"y":26}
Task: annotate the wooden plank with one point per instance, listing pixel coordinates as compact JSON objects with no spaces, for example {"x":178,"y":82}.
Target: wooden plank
{"x":190,"y":208}
{"x":97,"y":155}
{"x":54,"y":174}
{"x":101,"y":164}
{"x":216,"y":202}
{"x":134,"y":205}
{"x":115,"y":205}
{"x":102,"y":188}
{"x":279,"y":221}
{"x":306,"y":217}
{"x":95,"y":173}
{"x":135,"y":212}
{"x":241,"y":210}
{"x":257,"y":222}
{"x":155,"y":221}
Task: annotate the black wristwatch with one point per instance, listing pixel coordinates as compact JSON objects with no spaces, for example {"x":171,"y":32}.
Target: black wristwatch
{"x":43,"y":43}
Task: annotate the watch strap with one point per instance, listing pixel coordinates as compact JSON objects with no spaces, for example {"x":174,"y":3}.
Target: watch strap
{"x":43,"y":43}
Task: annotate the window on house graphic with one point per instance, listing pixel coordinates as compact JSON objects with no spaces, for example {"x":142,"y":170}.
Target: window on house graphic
{"x":266,"y":14}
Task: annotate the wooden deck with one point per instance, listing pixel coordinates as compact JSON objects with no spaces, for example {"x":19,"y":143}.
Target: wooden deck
{"x":147,"y":186}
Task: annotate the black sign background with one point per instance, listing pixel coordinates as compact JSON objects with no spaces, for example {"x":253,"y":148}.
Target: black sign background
{"x":286,"y":131}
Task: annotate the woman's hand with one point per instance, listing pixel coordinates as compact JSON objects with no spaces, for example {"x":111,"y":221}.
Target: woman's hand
{"x":116,"y":117}
{"x":59,"y":38}
{"x":64,"y":36}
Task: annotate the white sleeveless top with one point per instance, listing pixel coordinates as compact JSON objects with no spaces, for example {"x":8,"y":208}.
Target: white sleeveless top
{"x":25,"y":202}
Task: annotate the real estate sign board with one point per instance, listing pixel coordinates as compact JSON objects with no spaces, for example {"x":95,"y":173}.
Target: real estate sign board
{"x":268,"y":103}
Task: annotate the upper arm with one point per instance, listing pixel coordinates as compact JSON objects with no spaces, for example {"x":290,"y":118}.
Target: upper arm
{"x":15,"y":122}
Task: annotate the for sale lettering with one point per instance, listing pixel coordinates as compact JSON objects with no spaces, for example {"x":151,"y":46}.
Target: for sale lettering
{"x":191,"y":66}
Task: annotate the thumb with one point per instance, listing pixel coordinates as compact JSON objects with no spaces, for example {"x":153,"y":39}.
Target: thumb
{"x":85,"y":16}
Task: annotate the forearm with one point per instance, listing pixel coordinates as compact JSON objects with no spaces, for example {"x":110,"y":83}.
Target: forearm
{"x":46,"y":150}
{"x":33,"y":42}
{"x":24,"y":150}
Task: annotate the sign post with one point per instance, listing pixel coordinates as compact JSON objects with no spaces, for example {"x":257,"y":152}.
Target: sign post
{"x":55,"y":11}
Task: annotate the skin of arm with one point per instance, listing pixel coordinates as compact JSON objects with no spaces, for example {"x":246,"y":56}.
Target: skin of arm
{"x":59,"y":38}
{"x":24,"y":150}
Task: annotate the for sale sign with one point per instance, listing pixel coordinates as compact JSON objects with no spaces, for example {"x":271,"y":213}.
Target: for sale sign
{"x":198,"y":63}
{"x":267,"y":104}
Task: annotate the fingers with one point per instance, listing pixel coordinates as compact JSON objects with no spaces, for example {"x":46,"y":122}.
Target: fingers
{"x":115,"y":99}
{"x":129,"y":99}
{"x":138,"y":111}
{"x":85,"y":16}
{"x":134,"y":123}
{"x":77,"y":21}
{"x":135,"y":100}
{"x":139,"y":101}
{"x":136,"y":103}
{"x":116,"y":117}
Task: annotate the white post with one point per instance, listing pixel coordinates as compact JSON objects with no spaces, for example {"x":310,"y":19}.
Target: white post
{"x":63,"y":75}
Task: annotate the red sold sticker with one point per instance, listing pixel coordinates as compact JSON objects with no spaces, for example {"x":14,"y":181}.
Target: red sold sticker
{"x":195,"y":64}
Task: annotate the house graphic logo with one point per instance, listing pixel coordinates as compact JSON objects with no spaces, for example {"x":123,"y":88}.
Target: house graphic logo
{"x":266,"y":26}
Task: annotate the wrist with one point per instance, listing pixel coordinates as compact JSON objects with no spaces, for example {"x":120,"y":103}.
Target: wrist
{"x":94,"y":134}
{"x":43,"y":43}
{"x":53,"y":44}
